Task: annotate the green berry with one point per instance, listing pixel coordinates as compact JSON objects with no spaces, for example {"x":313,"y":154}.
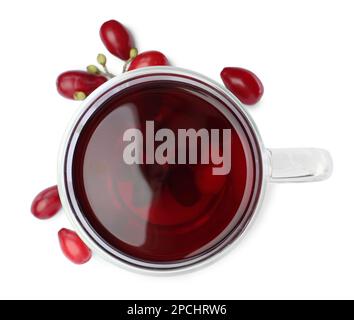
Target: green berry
{"x":101,"y":59}
{"x":133,"y":53}
{"x":79,"y":95}
{"x":93,"y":69}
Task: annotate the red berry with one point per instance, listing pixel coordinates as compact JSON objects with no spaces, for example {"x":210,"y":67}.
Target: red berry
{"x":244,"y":84}
{"x":206,"y":182}
{"x":46,"y":204}
{"x":116,"y":38}
{"x":70,"y":82}
{"x":148,"y":58}
{"x":73,"y":247}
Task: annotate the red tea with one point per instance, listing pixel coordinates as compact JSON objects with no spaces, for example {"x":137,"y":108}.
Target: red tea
{"x":165,"y":211}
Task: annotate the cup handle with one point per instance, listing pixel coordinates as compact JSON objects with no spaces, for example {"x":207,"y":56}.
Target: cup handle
{"x":299,"y":165}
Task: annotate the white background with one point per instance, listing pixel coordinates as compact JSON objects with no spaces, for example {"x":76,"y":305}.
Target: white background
{"x":302,"y":243}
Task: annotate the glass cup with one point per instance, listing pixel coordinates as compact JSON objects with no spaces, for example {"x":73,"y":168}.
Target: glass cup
{"x":162,"y":169}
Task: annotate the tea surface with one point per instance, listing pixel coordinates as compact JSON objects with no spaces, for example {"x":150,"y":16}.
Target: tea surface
{"x":161,"y":212}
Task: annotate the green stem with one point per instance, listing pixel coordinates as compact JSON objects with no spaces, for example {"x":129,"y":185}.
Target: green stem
{"x":126,"y":64}
{"x":107,"y":73}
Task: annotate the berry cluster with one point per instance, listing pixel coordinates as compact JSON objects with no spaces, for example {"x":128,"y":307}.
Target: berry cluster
{"x":78,"y":85}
